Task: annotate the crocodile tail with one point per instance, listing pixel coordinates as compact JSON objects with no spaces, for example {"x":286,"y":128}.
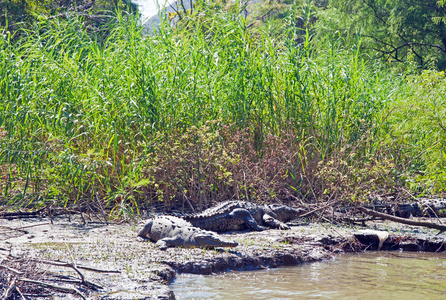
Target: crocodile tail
{"x":180,"y":215}
{"x":204,"y":218}
{"x":216,"y":212}
{"x":175,"y":214}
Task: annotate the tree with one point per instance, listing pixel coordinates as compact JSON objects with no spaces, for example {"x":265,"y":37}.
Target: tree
{"x":20,"y":13}
{"x":398,"y":30}
{"x":440,"y":3}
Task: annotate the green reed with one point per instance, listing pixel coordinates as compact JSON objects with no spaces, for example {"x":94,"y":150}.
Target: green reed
{"x":83,"y":115}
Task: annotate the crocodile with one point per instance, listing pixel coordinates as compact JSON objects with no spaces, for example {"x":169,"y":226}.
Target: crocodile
{"x":423,"y":207}
{"x":239,"y":215}
{"x":170,"y":231}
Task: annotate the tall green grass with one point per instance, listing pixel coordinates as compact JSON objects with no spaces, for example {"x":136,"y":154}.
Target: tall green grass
{"x":83,"y":116}
{"x":417,"y":128}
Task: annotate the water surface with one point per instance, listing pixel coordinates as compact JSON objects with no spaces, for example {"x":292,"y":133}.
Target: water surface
{"x":371,"y":275}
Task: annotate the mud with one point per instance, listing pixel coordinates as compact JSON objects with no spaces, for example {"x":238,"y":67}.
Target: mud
{"x":146,"y":272}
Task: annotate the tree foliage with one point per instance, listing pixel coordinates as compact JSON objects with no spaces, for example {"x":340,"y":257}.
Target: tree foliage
{"x":437,"y":20}
{"x":15,"y":13}
{"x":398,"y":30}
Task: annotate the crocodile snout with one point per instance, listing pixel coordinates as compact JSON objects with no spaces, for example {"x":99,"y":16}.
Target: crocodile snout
{"x":213,"y":241}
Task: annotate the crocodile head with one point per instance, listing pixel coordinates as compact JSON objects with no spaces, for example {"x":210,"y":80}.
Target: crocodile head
{"x":285,"y":213}
{"x":211,"y":240}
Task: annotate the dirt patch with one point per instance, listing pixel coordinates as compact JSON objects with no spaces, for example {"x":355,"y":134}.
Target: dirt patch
{"x":146,"y":272}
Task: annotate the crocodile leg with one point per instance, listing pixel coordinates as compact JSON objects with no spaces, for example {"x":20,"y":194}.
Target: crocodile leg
{"x":142,"y":234}
{"x":250,"y":222}
{"x":175,"y":241}
{"x":273,"y":222}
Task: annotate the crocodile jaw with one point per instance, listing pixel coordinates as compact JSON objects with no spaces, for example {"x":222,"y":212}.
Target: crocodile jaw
{"x":286,"y":214}
{"x":211,"y":241}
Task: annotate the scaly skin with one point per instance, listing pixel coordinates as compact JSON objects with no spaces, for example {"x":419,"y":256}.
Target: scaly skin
{"x":239,"y":215}
{"x":433,"y":207}
{"x":423,"y":207}
{"x":169,"y":231}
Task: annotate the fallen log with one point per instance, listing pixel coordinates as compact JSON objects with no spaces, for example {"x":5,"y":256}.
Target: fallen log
{"x":373,"y":213}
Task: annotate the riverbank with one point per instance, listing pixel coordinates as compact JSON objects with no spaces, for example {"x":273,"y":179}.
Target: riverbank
{"x":146,"y":272}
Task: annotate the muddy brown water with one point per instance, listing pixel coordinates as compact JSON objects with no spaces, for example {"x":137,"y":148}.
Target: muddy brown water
{"x":370,"y":275}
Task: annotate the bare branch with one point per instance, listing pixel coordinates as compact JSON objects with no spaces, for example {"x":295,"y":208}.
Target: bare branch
{"x":373,"y":213}
{"x":53,"y":286}
{"x":69,"y":265}
{"x":375,"y":12}
{"x":12,"y":270}
{"x":12,"y":281}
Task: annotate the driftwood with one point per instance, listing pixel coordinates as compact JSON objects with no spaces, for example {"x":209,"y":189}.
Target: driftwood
{"x":373,"y":213}
{"x":54,"y":287}
{"x":18,"y":274}
{"x":20,"y":214}
{"x":53,"y":212}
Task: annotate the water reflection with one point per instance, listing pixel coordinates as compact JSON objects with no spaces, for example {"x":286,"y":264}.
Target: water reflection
{"x":372,"y":275}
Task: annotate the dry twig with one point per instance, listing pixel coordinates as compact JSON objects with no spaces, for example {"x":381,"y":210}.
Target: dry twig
{"x":53,"y":286}
{"x":30,"y":276}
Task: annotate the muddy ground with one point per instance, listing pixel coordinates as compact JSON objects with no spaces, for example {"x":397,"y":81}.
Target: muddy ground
{"x":145,"y":272}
